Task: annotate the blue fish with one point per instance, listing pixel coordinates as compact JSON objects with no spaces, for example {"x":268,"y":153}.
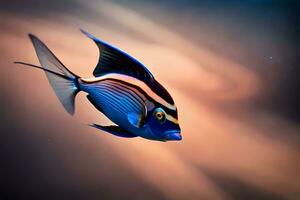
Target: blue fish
{"x":122,"y":88}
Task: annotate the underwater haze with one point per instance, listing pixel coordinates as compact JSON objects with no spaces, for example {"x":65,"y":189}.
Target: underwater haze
{"x":232,"y":68}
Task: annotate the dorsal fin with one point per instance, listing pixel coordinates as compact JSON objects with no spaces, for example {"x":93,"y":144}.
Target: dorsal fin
{"x":114,"y":60}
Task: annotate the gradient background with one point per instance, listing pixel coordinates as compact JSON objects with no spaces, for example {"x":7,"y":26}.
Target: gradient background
{"x":232,"y":68}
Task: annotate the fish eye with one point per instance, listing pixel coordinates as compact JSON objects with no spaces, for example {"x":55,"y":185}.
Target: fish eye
{"x":160,"y":115}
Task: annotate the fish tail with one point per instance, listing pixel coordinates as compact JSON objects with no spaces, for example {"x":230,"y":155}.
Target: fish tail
{"x":64,"y":82}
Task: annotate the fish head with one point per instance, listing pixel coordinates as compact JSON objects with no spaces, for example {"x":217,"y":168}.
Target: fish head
{"x":163,"y":125}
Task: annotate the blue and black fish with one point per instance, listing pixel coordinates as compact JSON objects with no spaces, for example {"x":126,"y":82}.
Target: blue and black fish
{"x":123,"y":89}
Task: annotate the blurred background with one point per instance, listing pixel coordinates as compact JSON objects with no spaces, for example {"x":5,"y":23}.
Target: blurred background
{"x":231,"y":66}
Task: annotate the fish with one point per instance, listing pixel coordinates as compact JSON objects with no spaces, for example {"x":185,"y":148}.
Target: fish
{"x":122,"y":88}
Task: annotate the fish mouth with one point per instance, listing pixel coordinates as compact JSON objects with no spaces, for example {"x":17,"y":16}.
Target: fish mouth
{"x":173,"y":135}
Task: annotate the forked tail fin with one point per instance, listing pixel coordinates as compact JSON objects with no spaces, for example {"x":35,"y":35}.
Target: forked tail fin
{"x":63,"y":81}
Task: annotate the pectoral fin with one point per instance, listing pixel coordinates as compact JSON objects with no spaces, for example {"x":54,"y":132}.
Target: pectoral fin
{"x":115,"y":130}
{"x":135,"y":119}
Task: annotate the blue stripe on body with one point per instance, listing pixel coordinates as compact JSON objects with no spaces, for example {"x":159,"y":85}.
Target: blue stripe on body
{"x":133,"y":94}
{"x":114,"y":99}
{"x":105,"y":101}
{"x":121,"y":99}
{"x":128,"y":93}
{"x":132,"y":91}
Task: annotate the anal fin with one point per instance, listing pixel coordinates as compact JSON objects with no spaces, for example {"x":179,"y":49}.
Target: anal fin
{"x":115,"y":130}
